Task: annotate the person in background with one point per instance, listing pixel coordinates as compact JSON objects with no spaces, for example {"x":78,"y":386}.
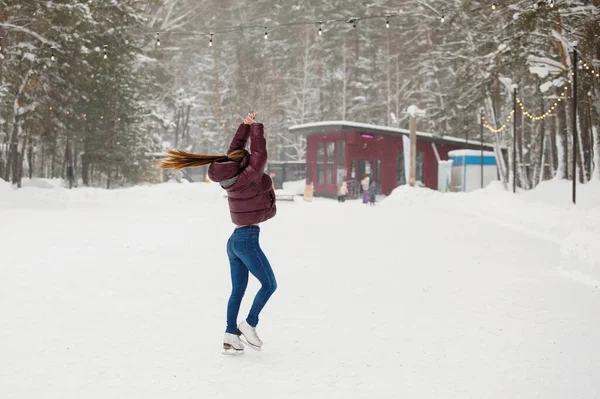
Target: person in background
{"x":372,"y":193}
{"x":365,"y":182}
{"x":343,"y":192}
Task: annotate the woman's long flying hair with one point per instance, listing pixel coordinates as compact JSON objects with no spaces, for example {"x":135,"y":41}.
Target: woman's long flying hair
{"x":178,"y":159}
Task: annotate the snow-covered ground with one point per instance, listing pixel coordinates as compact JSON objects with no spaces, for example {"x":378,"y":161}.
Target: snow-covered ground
{"x":122,"y":294}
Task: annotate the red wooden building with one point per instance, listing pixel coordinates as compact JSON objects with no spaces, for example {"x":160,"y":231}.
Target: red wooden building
{"x":344,"y":151}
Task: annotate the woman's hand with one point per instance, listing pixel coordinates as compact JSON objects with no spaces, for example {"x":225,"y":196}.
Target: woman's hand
{"x":250,"y":119}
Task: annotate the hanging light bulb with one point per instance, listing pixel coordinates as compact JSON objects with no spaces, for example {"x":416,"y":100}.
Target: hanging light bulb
{"x":52,"y":57}
{"x":105,"y":52}
{"x":157,"y":39}
{"x":210,"y":42}
{"x":320,"y":28}
{"x":387,"y":22}
{"x":443,"y":19}
{"x":551,"y":3}
{"x":494,"y":5}
{"x":266,"y":33}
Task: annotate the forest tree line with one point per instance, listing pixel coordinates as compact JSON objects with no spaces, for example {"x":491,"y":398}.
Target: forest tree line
{"x":97,"y":89}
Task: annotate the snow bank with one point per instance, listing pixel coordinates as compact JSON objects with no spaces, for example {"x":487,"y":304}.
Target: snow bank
{"x":580,"y":250}
{"x":86,"y":197}
{"x":43,"y":183}
{"x":546,"y":212}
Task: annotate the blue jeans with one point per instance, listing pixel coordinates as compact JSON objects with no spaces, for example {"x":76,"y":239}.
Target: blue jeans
{"x":246,"y":256}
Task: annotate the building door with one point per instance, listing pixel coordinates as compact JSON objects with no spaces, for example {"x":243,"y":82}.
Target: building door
{"x":365,"y":167}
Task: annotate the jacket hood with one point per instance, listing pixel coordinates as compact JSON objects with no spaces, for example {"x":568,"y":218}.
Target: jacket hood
{"x":220,"y":171}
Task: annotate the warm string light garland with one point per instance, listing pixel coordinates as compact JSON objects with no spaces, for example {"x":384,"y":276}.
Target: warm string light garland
{"x":589,"y":68}
{"x":354,"y":21}
{"x":548,"y":112}
{"x":489,"y":127}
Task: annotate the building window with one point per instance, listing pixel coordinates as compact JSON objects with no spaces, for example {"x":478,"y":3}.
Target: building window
{"x":378,"y":173}
{"x":320,"y":163}
{"x":341,"y":162}
{"x":330,"y":162}
{"x":400,"y":170}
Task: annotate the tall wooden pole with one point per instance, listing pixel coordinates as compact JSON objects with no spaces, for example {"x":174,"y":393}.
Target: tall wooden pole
{"x":481,"y":144}
{"x":413,"y":150}
{"x":574,"y":122}
{"x":515,"y":141}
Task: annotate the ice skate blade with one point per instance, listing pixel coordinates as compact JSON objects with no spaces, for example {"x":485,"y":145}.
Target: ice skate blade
{"x":245,"y":341}
{"x":232,"y":352}
{"x":228,"y":349}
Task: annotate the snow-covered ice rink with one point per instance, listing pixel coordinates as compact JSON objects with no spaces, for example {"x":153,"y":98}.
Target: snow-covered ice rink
{"x":122,"y":294}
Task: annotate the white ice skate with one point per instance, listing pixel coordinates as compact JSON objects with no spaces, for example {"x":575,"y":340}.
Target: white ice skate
{"x":232,"y":345}
{"x":249,"y":335}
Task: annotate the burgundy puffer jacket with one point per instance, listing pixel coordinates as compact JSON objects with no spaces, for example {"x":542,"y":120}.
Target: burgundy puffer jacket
{"x":249,"y":189}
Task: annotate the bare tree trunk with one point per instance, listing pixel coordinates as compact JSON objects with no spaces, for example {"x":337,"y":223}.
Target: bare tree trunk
{"x":542,"y":152}
{"x":53,"y":159}
{"x":523,"y":176}
{"x":177,"y":118}
{"x":596,"y":136}
{"x":561,"y":143}
{"x":13,"y":154}
{"x":30,"y":159}
{"x":582,"y":175}
{"x":43,"y":160}
{"x":1,"y":163}
{"x":21,"y":161}
{"x":75,"y":163}
{"x":15,"y":166}
{"x":344,"y":77}
{"x":186,"y":126}
{"x":108,"y":178}
{"x":217,"y":88}
{"x":583,"y":148}
{"x":85,"y":169}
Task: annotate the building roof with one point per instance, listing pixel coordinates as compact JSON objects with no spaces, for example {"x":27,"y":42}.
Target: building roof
{"x":347,"y":126}
{"x":469,"y":153}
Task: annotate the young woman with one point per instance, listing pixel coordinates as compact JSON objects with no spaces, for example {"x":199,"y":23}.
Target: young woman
{"x":251,"y":201}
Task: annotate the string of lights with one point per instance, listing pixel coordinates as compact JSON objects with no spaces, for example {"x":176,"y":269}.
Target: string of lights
{"x":548,"y":112}
{"x":269,"y":28}
{"x":589,"y":68}
{"x":486,"y":123}
{"x":319,"y":25}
